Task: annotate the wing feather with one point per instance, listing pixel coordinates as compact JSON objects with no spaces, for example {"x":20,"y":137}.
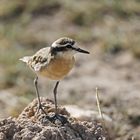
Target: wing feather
{"x":41,"y":59}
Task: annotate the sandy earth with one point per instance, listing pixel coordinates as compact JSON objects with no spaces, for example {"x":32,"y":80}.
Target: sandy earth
{"x":116,"y":75}
{"x":39,"y":126}
{"x":117,"y":78}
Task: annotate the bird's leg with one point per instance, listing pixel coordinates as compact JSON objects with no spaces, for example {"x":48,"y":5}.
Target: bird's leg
{"x":37,"y":93}
{"x":55,"y":98}
{"x":57,"y":115}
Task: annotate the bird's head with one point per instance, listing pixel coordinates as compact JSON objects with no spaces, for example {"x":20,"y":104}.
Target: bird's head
{"x":66,"y":46}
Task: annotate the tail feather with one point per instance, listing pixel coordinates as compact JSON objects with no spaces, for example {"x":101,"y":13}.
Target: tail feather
{"x":25,"y":59}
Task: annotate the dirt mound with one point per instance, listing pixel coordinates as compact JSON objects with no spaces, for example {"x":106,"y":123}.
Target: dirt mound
{"x":32,"y":125}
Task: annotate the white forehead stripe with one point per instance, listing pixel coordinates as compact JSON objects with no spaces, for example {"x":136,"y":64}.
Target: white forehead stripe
{"x":63,"y":41}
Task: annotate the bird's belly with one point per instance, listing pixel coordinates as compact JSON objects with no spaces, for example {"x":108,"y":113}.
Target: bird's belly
{"x":57,"y":68}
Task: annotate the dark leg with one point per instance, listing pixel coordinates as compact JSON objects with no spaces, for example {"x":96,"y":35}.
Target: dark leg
{"x":55,"y":99}
{"x":56,"y":116}
{"x":37,"y":93}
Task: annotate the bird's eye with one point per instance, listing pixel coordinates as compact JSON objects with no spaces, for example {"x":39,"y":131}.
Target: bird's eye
{"x":69,"y":46}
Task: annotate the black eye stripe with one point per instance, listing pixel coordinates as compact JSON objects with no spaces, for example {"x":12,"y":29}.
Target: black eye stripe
{"x":64,"y":48}
{"x":61,"y":49}
{"x":58,"y":49}
{"x":68,"y":46}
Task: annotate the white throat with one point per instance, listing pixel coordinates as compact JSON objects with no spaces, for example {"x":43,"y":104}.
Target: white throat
{"x":66,"y":54}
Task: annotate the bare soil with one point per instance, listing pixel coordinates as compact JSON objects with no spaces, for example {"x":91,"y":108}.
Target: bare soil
{"x":32,"y":125}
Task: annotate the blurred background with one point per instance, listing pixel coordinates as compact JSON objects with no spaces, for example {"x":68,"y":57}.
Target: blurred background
{"x":109,"y":29}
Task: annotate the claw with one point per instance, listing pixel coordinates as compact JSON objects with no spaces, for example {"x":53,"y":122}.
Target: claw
{"x":58,"y":117}
{"x":41,"y":108}
{"x":55,"y":119}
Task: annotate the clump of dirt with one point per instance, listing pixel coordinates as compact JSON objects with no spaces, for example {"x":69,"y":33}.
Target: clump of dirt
{"x":31,"y":124}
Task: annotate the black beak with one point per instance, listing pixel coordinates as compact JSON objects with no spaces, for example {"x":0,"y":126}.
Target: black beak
{"x":81,"y":50}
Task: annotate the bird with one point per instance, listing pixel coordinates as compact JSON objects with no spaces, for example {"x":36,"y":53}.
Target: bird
{"x":53,"y":62}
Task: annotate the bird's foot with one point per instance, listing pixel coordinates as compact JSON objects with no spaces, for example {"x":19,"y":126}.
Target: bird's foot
{"x":40,"y":107}
{"x":57,"y":119}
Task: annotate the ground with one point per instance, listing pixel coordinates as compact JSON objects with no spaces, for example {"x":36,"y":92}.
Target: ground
{"x":33,"y":124}
{"x":108,"y":29}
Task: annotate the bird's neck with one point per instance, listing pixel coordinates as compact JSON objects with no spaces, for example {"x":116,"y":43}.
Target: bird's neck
{"x":64,"y":55}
